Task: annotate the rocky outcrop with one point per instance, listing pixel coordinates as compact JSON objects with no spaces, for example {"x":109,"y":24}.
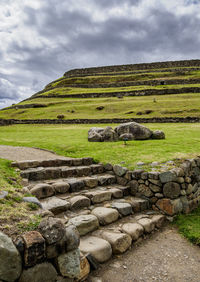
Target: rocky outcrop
{"x":125,"y":132}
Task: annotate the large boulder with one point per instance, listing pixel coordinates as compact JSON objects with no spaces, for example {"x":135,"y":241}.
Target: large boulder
{"x":94,"y":134}
{"x":158,"y":134}
{"x":138,"y":131}
{"x":109,"y":135}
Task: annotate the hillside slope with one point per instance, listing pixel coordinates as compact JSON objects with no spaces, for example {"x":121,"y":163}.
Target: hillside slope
{"x":164,"y":89}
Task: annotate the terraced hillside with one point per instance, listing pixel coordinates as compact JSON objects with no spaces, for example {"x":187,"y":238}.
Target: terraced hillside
{"x":166,"y":89}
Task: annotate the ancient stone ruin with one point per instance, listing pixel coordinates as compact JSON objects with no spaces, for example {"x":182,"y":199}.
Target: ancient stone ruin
{"x":125,"y":132}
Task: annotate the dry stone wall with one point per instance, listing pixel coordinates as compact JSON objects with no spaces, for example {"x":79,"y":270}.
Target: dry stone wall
{"x":170,"y":191}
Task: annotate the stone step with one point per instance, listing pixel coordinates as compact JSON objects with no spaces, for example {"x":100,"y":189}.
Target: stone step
{"x":118,"y":237}
{"x":22,"y":165}
{"x":71,"y":185}
{"x":105,"y":214}
{"x":45,"y":173}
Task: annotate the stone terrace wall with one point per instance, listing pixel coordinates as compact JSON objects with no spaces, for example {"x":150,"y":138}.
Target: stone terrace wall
{"x":185,"y":63}
{"x":170,"y":191}
{"x":5,"y":122}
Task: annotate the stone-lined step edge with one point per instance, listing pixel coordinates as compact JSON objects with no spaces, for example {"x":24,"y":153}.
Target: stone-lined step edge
{"x":118,"y":238}
{"x":22,"y":165}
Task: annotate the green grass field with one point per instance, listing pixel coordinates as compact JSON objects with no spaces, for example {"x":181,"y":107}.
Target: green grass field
{"x":182,"y":140}
{"x":181,"y":105}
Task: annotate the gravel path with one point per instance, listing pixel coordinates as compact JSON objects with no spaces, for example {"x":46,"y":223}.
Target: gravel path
{"x":165,"y":256}
{"x":25,"y":153}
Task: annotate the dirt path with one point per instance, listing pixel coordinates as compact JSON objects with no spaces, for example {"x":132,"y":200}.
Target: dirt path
{"x":25,"y":153}
{"x":165,"y":256}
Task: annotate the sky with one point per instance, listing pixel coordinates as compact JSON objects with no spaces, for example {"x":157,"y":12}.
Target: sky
{"x":42,"y":39}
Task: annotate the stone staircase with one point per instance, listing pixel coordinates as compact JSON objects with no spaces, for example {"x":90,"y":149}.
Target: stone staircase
{"x":108,"y":218}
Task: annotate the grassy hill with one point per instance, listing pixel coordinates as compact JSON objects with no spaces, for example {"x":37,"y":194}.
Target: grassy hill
{"x":166,"y":89}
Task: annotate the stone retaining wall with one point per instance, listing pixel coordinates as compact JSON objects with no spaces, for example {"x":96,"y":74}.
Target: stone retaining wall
{"x":49,"y":254}
{"x":170,"y":191}
{"x":184,"y":63}
{"x":5,"y":122}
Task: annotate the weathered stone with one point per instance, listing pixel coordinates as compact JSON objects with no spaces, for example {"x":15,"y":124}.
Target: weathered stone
{"x":109,"y":135}
{"x":39,"y":273}
{"x":34,"y":248}
{"x":156,"y":182}
{"x":135,"y":230}
{"x":55,"y":205}
{"x":69,"y":264}
{"x":119,"y":170}
{"x":171,"y":190}
{"x":52,"y":229}
{"x":51,"y":173}
{"x":10,"y":260}
{"x":188,"y":180}
{"x":133,"y":187}
{"x":77,"y":161}
{"x":42,"y":190}
{"x":72,"y":238}
{"x":139,"y":204}
{"x":153,"y":175}
{"x":123,"y":208}
{"x":189,"y":189}
{"x":138,"y":131}
{"x":108,"y":167}
{"x":144,"y":175}
{"x":61,"y":187}
{"x":85,"y":223}
{"x":136,"y":174}
{"x":126,"y":137}
{"x":99,"y":196}
{"x":32,"y":200}
{"x":116,"y":193}
{"x":128,"y":175}
{"x":178,"y":171}
{"x":78,"y":202}
{"x":54,"y":250}
{"x":94,"y":134}
{"x":83,"y":171}
{"x":69,"y":172}
{"x":155,"y":188}
{"x":87,"y":161}
{"x":76,"y":185}
{"x":97,"y":168}
{"x":141,"y":181}
{"x":90,"y":182}
{"x":180,"y":180}
{"x":158,"y":220}
{"x":84,"y":269}
{"x":185,"y":203}
{"x":105,"y":215}
{"x":145,"y":190}
{"x":125,"y":190}
{"x":158,"y":134}
{"x":120,"y":242}
{"x":100,"y":249}
{"x":121,"y":180}
{"x":148,"y":224}
{"x":169,"y":207}
{"x":159,"y":195}
{"x":167,"y":176}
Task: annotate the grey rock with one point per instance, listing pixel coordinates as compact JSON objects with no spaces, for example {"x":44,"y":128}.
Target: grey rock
{"x":32,"y":200}
{"x":42,"y":190}
{"x":123,"y":208}
{"x":85,"y":223}
{"x":119,"y":170}
{"x":39,"y":273}
{"x":105,"y":215}
{"x":109,"y":135}
{"x":94,"y":134}
{"x":126,"y":137}
{"x":120,"y":242}
{"x":76,"y":185}
{"x":155,"y":188}
{"x":10,"y":260}
{"x":171,"y":190}
{"x":135,"y":230}
{"x":167,"y":176}
{"x":78,"y":202}
{"x":138,"y":131}
{"x":55,"y":205}
{"x":69,"y":264}
{"x":145,"y":190}
{"x":61,"y":187}
{"x":147,"y":224}
{"x":72,"y":237}
{"x":158,"y":134}
{"x":52,"y":229}
{"x":133,"y":187}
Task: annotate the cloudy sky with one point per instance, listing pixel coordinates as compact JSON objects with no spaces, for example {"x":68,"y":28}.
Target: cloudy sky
{"x":41,"y":39}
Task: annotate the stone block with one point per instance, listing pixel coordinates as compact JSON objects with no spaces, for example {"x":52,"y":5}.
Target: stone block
{"x":135,"y":230}
{"x":78,"y":202}
{"x":61,"y":187}
{"x":42,"y":190}
{"x":123,"y":208}
{"x":145,"y":190}
{"x":171,"y":190}
{"x":167,"y":176}
{"x":105,"y":215}
{"x":120,"y":242}
{"x":147,"y":224}
{"x":55,"y":205}
{"x":39,"y":273}
{"x":69,"y":264}
{"x":85,"y":223}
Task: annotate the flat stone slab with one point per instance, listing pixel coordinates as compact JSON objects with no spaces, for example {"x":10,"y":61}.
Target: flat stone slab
{"x":55,"y":205}
{"x":78,"y":202}
{"x":105,"y":215}
{"x":85,"y":223}
{"x":100,"y":249}
{"x":147,"y":223}
{"x":99,"y":196}
{"x":120,"y":242}
{"x":135,"y":230}
{"x":123,"y":208}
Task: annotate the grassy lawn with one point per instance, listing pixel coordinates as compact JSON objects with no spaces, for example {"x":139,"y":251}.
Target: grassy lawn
{"x":189,"y":225}
{"x":180,"y":105}
{"x":15,"y":215}
{"x":182,"y":140}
